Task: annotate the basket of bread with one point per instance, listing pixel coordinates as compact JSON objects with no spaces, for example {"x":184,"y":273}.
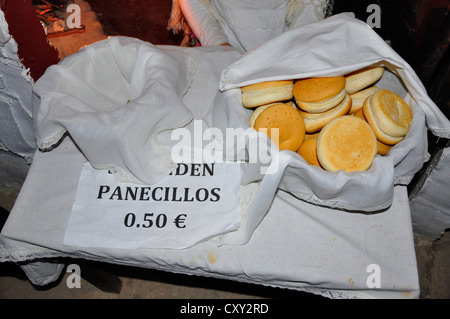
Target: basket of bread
{"x":335,"y":123}
{"x":352,"y":116}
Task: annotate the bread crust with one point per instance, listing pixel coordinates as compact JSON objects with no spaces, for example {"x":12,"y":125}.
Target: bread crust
{"x":288,"y":121}
{"x":263,"y":93}
{"x":346,"y":143}
{"x":382,"y":149}
{"x":359,"y":97}
{"x":308,"y":150}
{"x":360,"y":79}
{"x":317,"y":95}
{"x":370,"y":118}
{"x":316,"y":121}
{"x":391,"y":112}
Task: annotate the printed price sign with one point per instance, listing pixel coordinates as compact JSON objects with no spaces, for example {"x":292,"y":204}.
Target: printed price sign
{"x":196,"y":202}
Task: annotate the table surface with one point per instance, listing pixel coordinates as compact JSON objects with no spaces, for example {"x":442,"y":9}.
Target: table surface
{"x":297,"y":245}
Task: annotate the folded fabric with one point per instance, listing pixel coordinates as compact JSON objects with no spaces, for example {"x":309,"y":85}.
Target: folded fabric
{"x":335,"y":46}
{"x":120,"y":98}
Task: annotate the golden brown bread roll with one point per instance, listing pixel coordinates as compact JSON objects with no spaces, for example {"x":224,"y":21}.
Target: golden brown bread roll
{"x":317,"y":95}
{"x":312,"y":135}
{"x":262,"y":93}
{"x":382,"y":148}
{"x":316,"y":121}
{"x":388,"y":115}
{"x":288,"y":121}
{"x":359,"y":97}
{"x":261,"y":108}
{"x":346,"y":143}
{"x":360,"y":79}
{"x":308,"y":150}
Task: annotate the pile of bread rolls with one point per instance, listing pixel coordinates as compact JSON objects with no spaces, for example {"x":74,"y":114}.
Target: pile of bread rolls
{"x":336,"y":123}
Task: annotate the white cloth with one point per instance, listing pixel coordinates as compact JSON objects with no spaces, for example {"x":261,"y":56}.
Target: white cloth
{"x":245,"y":24}
{"x":296,"y":246}
{"x":429,"y":199}
{"x":110,"y":214}
{"x":120,"y":98}
{"x":336,"y":46}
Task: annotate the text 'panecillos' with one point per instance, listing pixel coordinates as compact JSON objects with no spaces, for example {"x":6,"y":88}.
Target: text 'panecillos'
{"x":166,"y":193}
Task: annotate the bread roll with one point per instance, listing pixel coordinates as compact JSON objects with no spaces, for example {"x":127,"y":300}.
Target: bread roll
{"x":316,"y":121}
{"x":360,"y":79}
{"x":359,"y":97}
{"x":392,"y":114}
{"x":312,"y":135}
{"x":388,"y":115}
{"x":317,"y":95}
{"x":360,"y":114}
{"x":287,"y":120}
{"x":308,"y":150}
{"x":263,"y":93}
{"x":258,"y":111}
{"x":346,"y":143}
{"x":382,"y":149}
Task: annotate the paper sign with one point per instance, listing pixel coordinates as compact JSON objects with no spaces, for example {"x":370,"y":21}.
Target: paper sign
{"x":196,"y":202}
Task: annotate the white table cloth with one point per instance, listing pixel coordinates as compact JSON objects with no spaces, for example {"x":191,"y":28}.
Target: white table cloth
{"x":297,"y":245}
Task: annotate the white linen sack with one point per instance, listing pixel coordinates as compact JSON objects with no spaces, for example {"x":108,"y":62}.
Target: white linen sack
{"x":334,"y":46}
{"x":120,"y":99}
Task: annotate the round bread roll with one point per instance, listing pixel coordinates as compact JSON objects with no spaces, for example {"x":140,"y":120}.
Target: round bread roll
{"x":312,"y":135}
{"x":346,"y":143}
{"x":308,"y":150}
{"x":261,"y":108}
{"x":359,"y":97}
{"x":388,"y":115}
{"x":382,"y":148}
{"x":262,"y":93}
{"x":317,"y":95}
{"x":360,"y":114}
{"x":288,"y":122}
{"x":360,"y":79}
{"x":316,"y":121}
{"x":392,"y":114}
